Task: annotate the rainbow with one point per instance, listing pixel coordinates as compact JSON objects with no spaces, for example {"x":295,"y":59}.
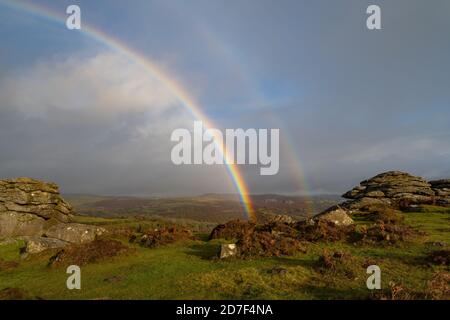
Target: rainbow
{"x":162,"y":76}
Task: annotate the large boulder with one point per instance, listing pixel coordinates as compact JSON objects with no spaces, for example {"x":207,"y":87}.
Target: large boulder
{"x":13,"y":224}
{"x":336,"y":215}
{"x":39,"y":244}
{"x":74,"y":232}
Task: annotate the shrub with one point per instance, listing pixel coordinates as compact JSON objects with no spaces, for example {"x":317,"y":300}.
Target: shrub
{"x":386,"y":215}
{"x":339,"y":263}
{"x":439,"y":257}
{"x":7,"y":265}
{"x":268,"y":244}
{"x":14,"y":294}
{"x":164,"y":236}
{"x":234,"y":229}
{"x":323,"y":230}
{"x":82,"y":254}
{"x":384,"y":234}
{"x":438,"y":288}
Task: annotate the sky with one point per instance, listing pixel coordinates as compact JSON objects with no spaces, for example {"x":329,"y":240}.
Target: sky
{"x":349,"y":102}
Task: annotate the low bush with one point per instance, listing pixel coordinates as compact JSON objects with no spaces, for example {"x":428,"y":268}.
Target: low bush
{"x":82,"y":254}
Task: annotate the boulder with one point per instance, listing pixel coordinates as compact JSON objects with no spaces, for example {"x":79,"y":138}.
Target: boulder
{"x":228,"y":250}
{"x":38,"y":244}
{"x":25,"y":205}
{"x":263,"y":217}
{"x":74,"y":232}
{"x":13,"y":224}
{"x":336,"y":215}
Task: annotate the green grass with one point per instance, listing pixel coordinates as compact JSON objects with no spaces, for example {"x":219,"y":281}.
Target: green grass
{"x":189,"y":271}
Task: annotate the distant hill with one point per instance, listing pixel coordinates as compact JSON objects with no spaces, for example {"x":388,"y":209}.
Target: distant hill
{"x":207,"y":207}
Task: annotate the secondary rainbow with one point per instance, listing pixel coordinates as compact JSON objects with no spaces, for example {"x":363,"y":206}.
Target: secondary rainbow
{"x":175,"y":88}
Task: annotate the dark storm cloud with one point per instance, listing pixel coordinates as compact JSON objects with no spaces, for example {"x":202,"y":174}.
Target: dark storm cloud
{"x":349,"y":102}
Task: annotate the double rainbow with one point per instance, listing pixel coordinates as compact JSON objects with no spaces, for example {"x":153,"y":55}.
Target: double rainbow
{"x":163,"y":77}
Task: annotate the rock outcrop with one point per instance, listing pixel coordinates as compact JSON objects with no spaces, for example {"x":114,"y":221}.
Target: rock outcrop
{"x":442,"y":191}
{"x":35,"y":211}
{"x":394,"y":188}
{"x":27,"y":206}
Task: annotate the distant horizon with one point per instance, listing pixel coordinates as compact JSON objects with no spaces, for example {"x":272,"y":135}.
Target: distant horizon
{"x":198,"y":195}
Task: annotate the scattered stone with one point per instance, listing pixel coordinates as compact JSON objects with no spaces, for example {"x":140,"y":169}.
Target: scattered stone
{"x":39,"y":244}
{"x":228,"y":251}
{"x":336,"y":215}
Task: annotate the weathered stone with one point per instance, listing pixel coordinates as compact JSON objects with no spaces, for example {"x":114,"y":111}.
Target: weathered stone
{"x":336,"y":215}
{"x":39,"y":244}
{"x":440,"y":184}
{"x":375,"y":194}
{"x":393,"y":188}
{"x":443,"y":202}
{"x":363,"y":203}
{"x":74,"y":232}
{"x":34,"y":210}
{"x":264,"y":217}
{"x":20,"y":224}
{"x":25,"y":195}
{"x":228,"y":250}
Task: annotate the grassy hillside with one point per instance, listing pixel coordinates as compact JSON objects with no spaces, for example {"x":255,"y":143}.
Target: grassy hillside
{"x":189,"y":270}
